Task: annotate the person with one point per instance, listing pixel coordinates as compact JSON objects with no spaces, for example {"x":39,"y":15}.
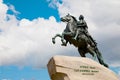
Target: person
{"x":82,"y":26}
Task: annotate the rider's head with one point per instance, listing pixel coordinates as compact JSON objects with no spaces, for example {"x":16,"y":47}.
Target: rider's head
{"x":81,"y":17}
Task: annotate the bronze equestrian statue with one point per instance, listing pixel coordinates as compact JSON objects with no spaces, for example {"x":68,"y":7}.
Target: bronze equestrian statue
{"x":76,"y":33}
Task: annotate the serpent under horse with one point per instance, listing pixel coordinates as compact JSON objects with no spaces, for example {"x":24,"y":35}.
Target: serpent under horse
{"x":83,"y":41}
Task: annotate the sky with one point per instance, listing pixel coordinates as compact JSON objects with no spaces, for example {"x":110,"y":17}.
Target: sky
{"x":27,"y":26}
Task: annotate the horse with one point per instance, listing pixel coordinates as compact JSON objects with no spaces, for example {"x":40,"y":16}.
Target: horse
{"x":82,"y":43}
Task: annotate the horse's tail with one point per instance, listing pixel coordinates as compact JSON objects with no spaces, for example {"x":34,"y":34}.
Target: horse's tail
{"x":100,"y":58}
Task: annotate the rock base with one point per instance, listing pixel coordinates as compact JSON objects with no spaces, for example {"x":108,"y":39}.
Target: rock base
{"x":78,"y":68}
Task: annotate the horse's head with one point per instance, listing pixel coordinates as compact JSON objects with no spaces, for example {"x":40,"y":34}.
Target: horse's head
{"x":71,"y":23}
{"x":68,"y":18}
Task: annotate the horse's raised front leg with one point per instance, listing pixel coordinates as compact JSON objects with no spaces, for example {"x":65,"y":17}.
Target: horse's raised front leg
{"x":57,"y":35}
{"x":64,"y":43}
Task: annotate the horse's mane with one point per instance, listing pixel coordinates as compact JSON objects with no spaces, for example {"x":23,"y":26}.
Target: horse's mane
{"x":74,"y":18}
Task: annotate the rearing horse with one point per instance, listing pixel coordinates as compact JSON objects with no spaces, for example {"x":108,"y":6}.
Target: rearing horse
{"x":83,"y":41}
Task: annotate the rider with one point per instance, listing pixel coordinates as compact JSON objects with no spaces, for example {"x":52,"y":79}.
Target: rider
{"x":81,"y":24}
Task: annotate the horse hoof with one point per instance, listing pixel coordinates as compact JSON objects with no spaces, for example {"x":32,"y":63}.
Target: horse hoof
{"x":63,"y":44}
{"x":53,"y":41}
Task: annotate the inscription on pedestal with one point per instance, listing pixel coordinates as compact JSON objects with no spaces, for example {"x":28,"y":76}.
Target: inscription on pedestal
{"x":87,"y":70}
